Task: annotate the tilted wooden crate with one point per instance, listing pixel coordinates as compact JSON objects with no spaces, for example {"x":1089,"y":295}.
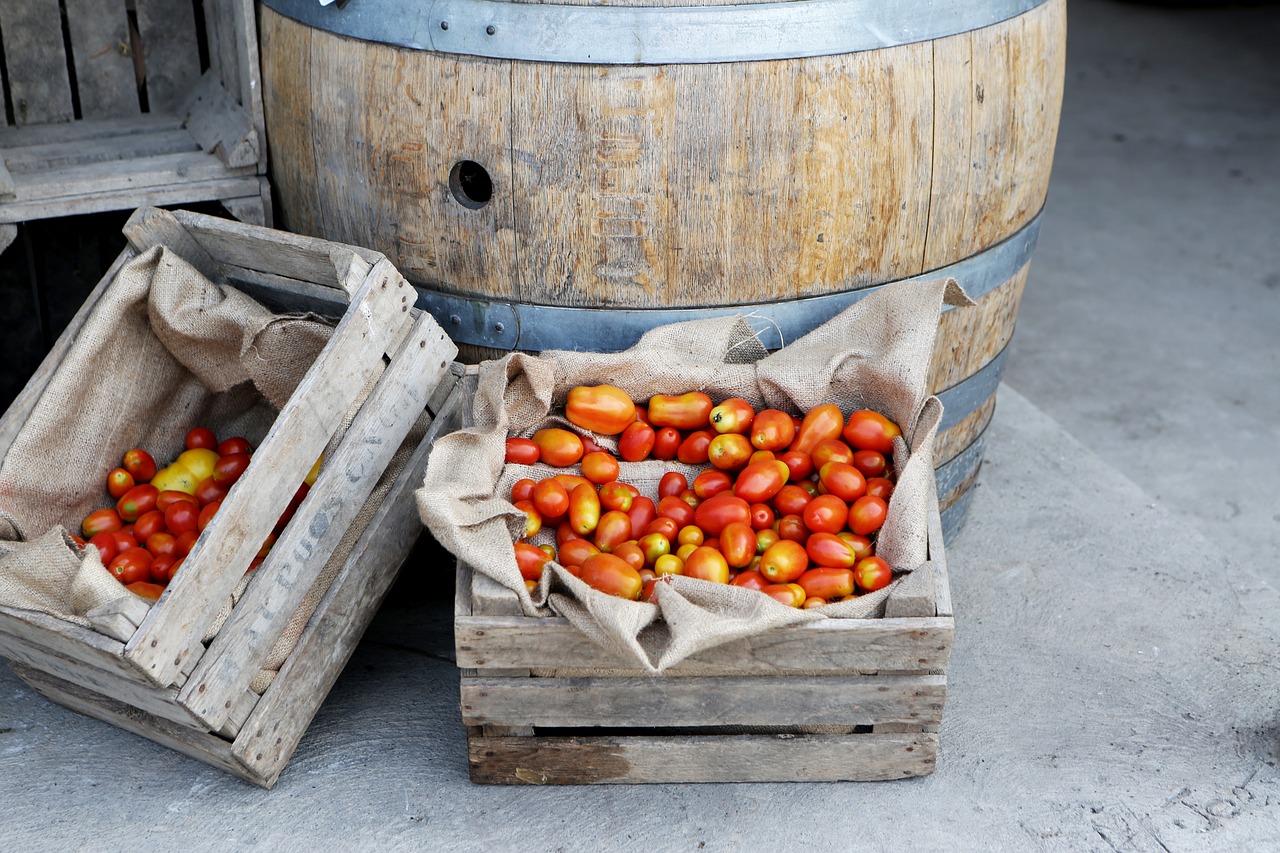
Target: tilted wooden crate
{"x":834,"y":700}
{"x":108,"y":108}
{"x":146,"y":669}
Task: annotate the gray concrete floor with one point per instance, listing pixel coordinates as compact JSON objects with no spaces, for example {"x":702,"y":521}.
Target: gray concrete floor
{"x":1114,"y":680}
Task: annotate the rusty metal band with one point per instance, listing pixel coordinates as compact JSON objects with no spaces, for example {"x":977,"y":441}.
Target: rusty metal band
{"x":650,"y":35}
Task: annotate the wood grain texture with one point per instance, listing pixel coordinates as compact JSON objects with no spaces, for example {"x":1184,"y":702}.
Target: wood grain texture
{"x":286,"y":102}
{"x":219,"y":125}
{"x":36,"y":61}
{"x":707,"y":701}
{"x":103,"y":59}
{"x":970,"y":337}
{"x":952,"y":441}
{"x":170,"y":51}
{"x":706,"y":758}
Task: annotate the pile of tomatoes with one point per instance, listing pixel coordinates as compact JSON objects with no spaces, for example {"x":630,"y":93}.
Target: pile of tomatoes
{"x":789,"y":506}
{"x":159,"y":513}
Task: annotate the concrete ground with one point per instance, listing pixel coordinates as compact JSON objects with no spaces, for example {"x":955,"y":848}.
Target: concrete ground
{"x":1114,"y":679}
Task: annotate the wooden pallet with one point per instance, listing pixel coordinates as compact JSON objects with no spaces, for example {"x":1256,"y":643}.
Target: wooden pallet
{"x":836,"y":700}
{"x":145,"y":668}
{"x":108,"y":108}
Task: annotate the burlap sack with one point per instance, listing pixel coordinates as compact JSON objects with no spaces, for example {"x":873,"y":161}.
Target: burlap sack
{"x":875,"y":354}
{"x":164,"y":349}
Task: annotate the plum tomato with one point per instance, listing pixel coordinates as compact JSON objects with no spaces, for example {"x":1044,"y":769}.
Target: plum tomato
{"x":532,"y":518}
{"x":146,"y":589}
{"x":612,"y":575}
{"x":790,"y":594}
{"x":522,"y":451}
{"x":551,"y":498}
{"x":668,"y":564}
{"x":522,"y":489}
{"x":691,"y":534}
{"x":574,"y":552}
{"x":642,"y":512}
{"x":708,"y":564}
{"x":632,"y":553}
{"x":199,"y":461}
{"x":148,"y":523}
{"x":162,"y":544}
{"x":871,"y":463}
{"x":690,"y":411}
{"x":730,"y":451}
{"x":762,"y":516}
{"x":602,"y":409}
{"x":668,"y":527}
{"x":792,"y":527}
{"x":734,"y":415}
{"x":636,"y":442}
{"x":181,"y":517}
{"x":137,"y":501}
{"x":799,"y":464}
{"x":765,"y":538}
{"x":738,"y":544}
{"x":207,"y":491}
{"x":559,"y":447}
{"x":880,"y":487}
{"x":862,"y":546}
{"x":124,"y":541}
{"x":229,"y":469}
{"x":119,"y":481}
{"x":184,"y":542}
{"x":206,"y":514}
{"x":672,"y":484}
{"x":160,"y":569}
{"x":600,"y":467}
{"x":760,"y":481}
{"x":235,"y":444}
{"x":872,"y":573}
{"x":139,"y":464}
{"x":829,"y":550}
{"x":867,"y":515}
{"x":530,"y":559}
{"x":693,"y":450}
{"x":201,"y":437}
{"x":842,"y":480}
{"x":791,"y":499}
{"x":676,"y":509}
{"x":584,"y":509}
{"x":101,"y":521}
{"x":107,"y":546}
{"x":825,"y":514}
{"x":132,"y":565}
{"x":175,"y":478}
{"x":751,"y":580}
{"x":654,"y":545}
{"x":711,"y":482}
{"x":165,"y":499}
{"x":820,"y":423}
{"x":868,"y":430}
{"x":615,"y":495}
{"x":613,"y":529}
{"x":772,"y":430}
{"x":666,"y":443}
{"x":784,"y":561}
{"x":713,"y":514}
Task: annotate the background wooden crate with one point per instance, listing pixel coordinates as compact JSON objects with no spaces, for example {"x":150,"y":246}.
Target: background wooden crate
{"x":146,"y":669}
{"x":836,"y":700}
{"x":112,"y":104}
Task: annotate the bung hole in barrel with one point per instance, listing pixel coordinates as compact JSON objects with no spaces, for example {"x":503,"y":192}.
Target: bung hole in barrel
{"x":470,"y":184}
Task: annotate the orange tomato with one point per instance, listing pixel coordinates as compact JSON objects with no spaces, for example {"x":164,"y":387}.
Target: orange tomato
{"x":707,"y":564}
{"x":732,"y":416}
{"x":522,"y":451}
{"x":690,"y":411}
{"x":730,"y":451}
{"x":574,"y":552}
{"x":820,"y":423}
{"x":784,"y":561}
{"x":119,"y":481}
{"x":530,"y":559}
{"x":551,"y":498}
{"x":772,"y":430}
{"x":867,"y":515}
{"x":602,"y":409}
{"x":584,"y":509}
{"x":790,"y":594}
{"x":872,"y":573}
{"x":825,"y":514}
{"x":632,"y":553}
{"x":558,"y":447}
{"x":830,"y":450}
{"x":599,"y":467}
{"x":843,"y":480}
{"x":612,"y":575}
{"x":827,"y":583}
{"x":532,"y":518}
{"x":613,"y":529}
{"x":750,"y":579}
{"x":828,"y":549}
{"x":738,"y":544}
{"x":868,"y":430}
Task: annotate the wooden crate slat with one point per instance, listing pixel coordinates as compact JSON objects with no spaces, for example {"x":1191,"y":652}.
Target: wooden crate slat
{"x":832,"y":645}
{"x":302,"y":551}
{"x":707,"y":701}
{"x":915,"y":594}
{"x":169,"y":50}
{"x":136,"y":175}
{"x":281,"y":293}
{"x":247,"y":186}
{"x":103,"y":58}
{"x":220,"y":125}
{"x":36,"y":60}
{"x":55,"y":156}
{"x":292,"y":255}
{"x":6,"y":180}
{"x":277,"y":724}
{"x":197,"y":744}
{"x":706,"y":758}
{"x":15,"y":138}
{"x":292,"y":445}
{"x":150,"y":227}
{"x":63,"y":638}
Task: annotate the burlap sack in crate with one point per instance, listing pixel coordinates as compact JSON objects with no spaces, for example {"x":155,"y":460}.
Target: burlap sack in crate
{"x":875,"y":354}
{"x":165,"y":349}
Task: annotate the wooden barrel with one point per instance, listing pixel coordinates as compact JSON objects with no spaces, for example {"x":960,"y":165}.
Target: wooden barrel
{"x":569,"y":175}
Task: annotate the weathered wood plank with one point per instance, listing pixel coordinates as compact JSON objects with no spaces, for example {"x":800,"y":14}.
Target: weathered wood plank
{"x":170,"y":51}
{"x":283,"y":294}
{"x":36,"y":61}
{"x":287,"y":105}
{"x":490,"y":598}
{"x":707,"y":701}
{"x":96,"y":201}
{"x":302,"y":551}
{"x":119,"y":619}
{"x":937,"y":556}
{"x":219,"y":124}
{"x":103,"y":58}
{"x":914,"y":595}
{"x":136,"y":175}
{"x":150,"y":226}
{"x":52,"y":156}
{"x":705,"y":758}
{"x":65,"y":639}
{"x":12,"y":138}
{"x":6,"y":179}
{"x":268,"y":739}
{"x":199,"y":745}
{"x":831,"y":645}
{"x":248,"y":210}
{"x":223,"y":552}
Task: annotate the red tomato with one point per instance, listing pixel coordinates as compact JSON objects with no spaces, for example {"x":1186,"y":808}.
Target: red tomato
{"x":131,"y":566}
{"x":790,"y":594}
{"x":690,"y":411}
{"x":161,"y":568}
{"x":825,"y":514}
{"x":693,"y":450}
{"x":843,"y":480}
{"x":676,"y":509}
{"x":185,"y":542}
{"x":602,"y":409}
{"x":868,"y":430}
{"x":207,"y":491}
{"x":106,"y":544}
{"x":732,"y":416}
{"x":101,"y":521}
{"x":762,"y":516}
{"x":880,"y":487}
{"x":140,"y":465}
{"x":711,"y":482}
{"x":137,"y":502}
{"x":182,"y":517}
{"x":830,"y":450}
{"x":799,"y":464}
{"x":165,"y":499}
{"x":522,"y":451}
{"x":633,"y":554}
{"x":613,"y":529}
{"x":124,"y":541}
{"x":772,"y":430}
{"x":551,"y":498}
{"x":574,"y":552}
{"x":871,"y":463}
{"x":612,"y":576}
{"x":228,"y":469}
{"x":532,"y":518}
{"x":642,"y":415}
{"x":163,"y":545}
{"x":642,"y":512}
{"x":666,"y":443}
{"x":760,"y":481}
{"x":236,"y":444}
{"x":589,"y":445}
{"x":145,"y":589}
{"x":599,"y":467}
{"x":792,"y":527}
{"x":872,"y":573}
{"x":738,"y":544}
{"x":867,"y":514}
{"x":206,"y":514}
{"x":530,"y":559}
{"x":791,"y":499}
{"x":119,"y":481}
{"x":707,"y":564}
{"x":861,"y":545}
{"x":558,"y":447}
{"x":784,"y":561}
{"x":615,"y":495}
{"x":671,"y":484}
{"x":820,"y":423}
{"x":149,"y":523}
{"x":636,"y":442}
{"x":828,"y":549}
{"x":750,"y":580}
{"x":584,"y":509}
{"x":522,"y":490}
{"x":201,"y":437}
{"x":729,"y":452}
{"x":715,"y":512}
{"x":668,"y":527}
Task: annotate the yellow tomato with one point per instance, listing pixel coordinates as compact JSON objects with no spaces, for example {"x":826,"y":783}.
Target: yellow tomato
{"x":175,"y":477}
{"x":199,"y":462}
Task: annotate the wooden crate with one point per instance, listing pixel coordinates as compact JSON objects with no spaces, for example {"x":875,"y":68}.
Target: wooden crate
{"x":146,"y":669}
{"x":835,"y":700}
{"x":122,"y":103}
